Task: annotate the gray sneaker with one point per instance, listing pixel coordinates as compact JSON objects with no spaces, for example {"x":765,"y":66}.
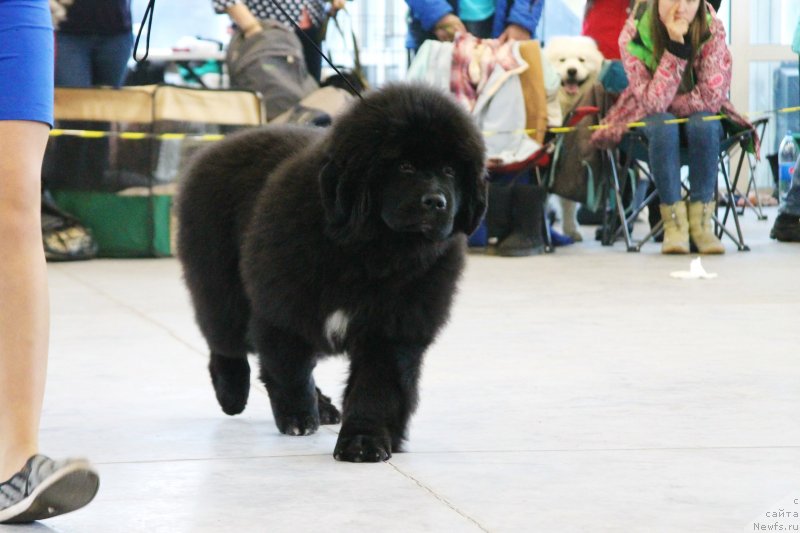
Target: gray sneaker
{"x":45,"y":488}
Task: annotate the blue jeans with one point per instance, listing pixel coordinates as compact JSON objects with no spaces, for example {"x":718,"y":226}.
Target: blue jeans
{"x":702,"y":149}
{"x":88,"y":60}
{"x":792,"y":204}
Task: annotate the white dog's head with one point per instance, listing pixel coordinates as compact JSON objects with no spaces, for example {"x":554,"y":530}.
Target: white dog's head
{"x":575,"y":58}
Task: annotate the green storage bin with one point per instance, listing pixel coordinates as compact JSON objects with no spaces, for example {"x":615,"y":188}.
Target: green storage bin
{"x":116,"y":155}
{"x":123,"y":226}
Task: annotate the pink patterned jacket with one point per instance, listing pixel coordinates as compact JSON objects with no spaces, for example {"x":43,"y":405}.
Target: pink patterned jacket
{"x":648,"y":94}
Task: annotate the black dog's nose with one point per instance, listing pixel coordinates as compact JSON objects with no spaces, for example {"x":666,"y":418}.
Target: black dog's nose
{"x":572,"y":71}
{"x":434,"y":201}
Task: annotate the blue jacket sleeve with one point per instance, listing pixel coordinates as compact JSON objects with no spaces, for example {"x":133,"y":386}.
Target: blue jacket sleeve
{"x":429,"y":11}
{"x":526,"y":13}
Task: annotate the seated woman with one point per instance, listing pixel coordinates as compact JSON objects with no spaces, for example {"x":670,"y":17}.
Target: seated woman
{"x":678,"y":65}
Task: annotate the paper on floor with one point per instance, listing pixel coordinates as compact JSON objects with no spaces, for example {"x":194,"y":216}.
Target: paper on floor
{"x":696,"y":271}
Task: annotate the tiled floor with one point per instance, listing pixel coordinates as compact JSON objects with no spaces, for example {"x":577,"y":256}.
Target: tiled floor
{"x":580,"y":391}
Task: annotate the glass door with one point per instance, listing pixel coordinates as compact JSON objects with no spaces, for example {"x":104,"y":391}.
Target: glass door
{"x":765,"y":70}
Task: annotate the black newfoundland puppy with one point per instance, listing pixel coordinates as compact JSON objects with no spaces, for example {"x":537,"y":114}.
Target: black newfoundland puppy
{"x":299,"y":242}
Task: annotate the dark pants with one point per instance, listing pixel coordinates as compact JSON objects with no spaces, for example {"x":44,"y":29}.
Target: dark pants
{"x":312,"y":57}
{"x":480,"y":28}
{"x":87,"y":60}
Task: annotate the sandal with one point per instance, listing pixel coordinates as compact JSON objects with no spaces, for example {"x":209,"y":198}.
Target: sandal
{"x":63,"y":236}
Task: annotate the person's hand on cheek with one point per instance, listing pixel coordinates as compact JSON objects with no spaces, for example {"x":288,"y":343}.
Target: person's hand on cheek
{"x":677,"y":26}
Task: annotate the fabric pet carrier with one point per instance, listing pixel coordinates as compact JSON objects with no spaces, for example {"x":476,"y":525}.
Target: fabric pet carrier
{"x":272,"y":63}
{"x":317,"y":109}
{"x":115,"y":154}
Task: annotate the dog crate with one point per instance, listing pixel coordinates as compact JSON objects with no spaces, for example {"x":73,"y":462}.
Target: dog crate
{"x":114,"y":158}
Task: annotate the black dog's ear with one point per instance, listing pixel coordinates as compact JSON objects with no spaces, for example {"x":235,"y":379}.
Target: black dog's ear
{"x":473,"y":205}
{"x":346,"y":202}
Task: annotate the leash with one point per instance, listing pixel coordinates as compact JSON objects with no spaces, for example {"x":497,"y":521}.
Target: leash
{"x":280,"y":8}
{"x":151,"y":4}
{"x":357,"y":68}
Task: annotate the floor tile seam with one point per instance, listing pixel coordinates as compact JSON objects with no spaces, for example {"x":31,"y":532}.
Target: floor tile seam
{"x":136,"y":311}
{"x":208,"y":459}
{"x":423,"y":453}
{"x":613,"y":450}
{"x":439,"y":497}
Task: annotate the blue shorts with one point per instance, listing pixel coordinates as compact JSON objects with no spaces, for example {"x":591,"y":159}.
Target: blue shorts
{"x":26,"y":61}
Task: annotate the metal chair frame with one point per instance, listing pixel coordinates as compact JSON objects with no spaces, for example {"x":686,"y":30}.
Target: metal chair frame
{"x":760,"y":126}
{"x":618,"y":220}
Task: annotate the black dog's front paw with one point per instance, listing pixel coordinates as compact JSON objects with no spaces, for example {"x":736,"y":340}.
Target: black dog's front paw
{"x":328,"y":413}
{"x":295,"y":408}
{"x":298,"y":424}
{"x":362,"y":448}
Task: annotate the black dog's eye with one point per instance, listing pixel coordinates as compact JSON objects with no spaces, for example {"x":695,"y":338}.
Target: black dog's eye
{"x":449,"y":172}
{"x":407,"y":168}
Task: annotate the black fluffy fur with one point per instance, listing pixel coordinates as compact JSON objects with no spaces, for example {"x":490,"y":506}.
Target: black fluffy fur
{"x":281,"y":227}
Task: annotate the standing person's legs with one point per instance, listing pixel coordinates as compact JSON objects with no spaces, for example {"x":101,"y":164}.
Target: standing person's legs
{"x":110,"y":55}
{"x":787,"y":223}
{"x":73,"y":60}
{"x":792,"y":204}
{"x":24,"y":318}
{"x":32,"y":486}
{"x":26,"y":109}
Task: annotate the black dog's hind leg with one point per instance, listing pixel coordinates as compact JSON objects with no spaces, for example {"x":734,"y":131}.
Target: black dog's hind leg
{"x":380,"y":397}
{"x":328,"y":413}
{"x":231,"y":379}
{"x":223,"y":314}
{"x":287,"y":363}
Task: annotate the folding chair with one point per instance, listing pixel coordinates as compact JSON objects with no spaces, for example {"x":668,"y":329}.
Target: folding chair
{"x":619,"y":219}
{"x":760,"y":126}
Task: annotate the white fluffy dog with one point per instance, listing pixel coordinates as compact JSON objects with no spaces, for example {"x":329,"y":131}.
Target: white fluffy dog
{"x":577,"y":60}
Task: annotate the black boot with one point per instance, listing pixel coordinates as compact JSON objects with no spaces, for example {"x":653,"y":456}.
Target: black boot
{"x":786,"y":228}
{"x":498,"y":211}
{"x":527,"y":215}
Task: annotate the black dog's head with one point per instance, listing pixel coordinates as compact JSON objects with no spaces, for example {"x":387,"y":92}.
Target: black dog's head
{"x":407,"y":157}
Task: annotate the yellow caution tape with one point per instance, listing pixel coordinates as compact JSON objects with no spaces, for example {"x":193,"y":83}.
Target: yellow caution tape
{"x":208,"y":137}
{"x":135,"y":136}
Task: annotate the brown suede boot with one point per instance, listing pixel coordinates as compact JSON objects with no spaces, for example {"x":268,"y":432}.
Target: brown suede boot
{"x":700,"y":228}
{"x":676,"y":228}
